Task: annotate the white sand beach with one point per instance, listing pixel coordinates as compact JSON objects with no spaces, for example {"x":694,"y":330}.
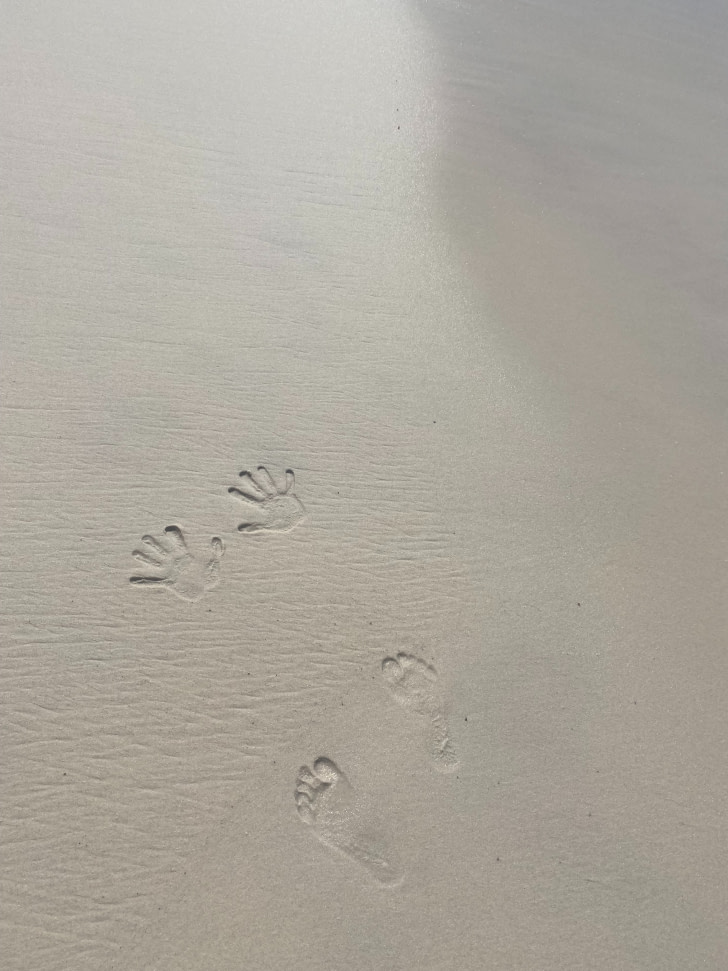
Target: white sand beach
{"x":441,"y":685}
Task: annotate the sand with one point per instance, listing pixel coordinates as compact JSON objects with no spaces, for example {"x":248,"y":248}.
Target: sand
{"x":447,"y":280}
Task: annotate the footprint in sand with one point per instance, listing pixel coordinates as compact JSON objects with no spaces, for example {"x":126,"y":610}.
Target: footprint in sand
{"x":413,"y":683}
{"x":327,"y":802}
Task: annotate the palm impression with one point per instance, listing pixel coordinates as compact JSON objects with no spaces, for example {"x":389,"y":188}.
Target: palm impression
{"x":268,"y":506}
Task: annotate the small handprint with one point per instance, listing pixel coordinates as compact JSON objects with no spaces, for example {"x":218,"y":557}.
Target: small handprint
{"x":273,"y":508}
{"x":179,"y":571}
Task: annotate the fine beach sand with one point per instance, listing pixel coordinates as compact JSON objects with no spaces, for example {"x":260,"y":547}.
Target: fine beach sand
{"x":459,"y":702}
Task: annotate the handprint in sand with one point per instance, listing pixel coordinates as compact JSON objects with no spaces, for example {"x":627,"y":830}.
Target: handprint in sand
{"x":268,"y":506}
{"x":175,"y":568}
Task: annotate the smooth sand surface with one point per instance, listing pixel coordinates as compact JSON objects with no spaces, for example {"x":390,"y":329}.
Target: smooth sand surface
{"x":461,"y":703}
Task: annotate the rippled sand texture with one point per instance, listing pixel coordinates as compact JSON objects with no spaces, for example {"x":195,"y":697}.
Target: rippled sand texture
{"x":459,"y":268}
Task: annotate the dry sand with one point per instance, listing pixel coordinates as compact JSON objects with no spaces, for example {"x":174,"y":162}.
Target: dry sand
{"x":461,"y":703}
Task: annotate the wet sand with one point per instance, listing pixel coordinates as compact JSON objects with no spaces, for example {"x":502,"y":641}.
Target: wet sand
{"x":459,"y":267}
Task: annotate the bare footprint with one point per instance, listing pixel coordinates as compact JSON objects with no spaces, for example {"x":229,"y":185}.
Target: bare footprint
{"x":413,"y":683}
{"x":177,"y":570}
{"x":273,"y":508}
{"x":327,"y":802}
